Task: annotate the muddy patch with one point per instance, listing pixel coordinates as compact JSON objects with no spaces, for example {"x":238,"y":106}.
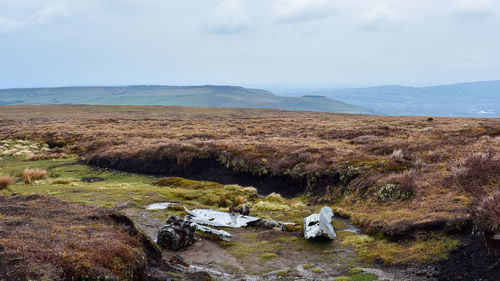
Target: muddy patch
{"x":92,"y":179}
{"x":212,"y":170}
{"x":470,"y":261}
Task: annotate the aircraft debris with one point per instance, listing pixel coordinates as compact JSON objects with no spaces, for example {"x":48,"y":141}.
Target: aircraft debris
{"x":223,"y":219}
{"x":319,"y":225}
{"x":222,"y":234}
{"x":176,"y":234}
{"x":244,"y":209}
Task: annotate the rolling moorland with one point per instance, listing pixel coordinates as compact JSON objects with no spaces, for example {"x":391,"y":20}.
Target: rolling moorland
{"x":205,"y":96}
{"x":415,"y":186}
{"x":475,"y":99}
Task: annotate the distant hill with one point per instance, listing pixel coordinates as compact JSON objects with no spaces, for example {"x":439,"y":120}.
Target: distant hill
{"x":481,"y":99}
{"x":205,"y":96}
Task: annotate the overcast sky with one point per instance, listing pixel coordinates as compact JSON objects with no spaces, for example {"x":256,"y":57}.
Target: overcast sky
{"x":248,"y":42}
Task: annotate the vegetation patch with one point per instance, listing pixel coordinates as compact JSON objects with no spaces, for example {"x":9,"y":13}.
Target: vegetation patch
{"x":364,"y":276}
{"x":32,"y":175}
{"x":5,"y":181}
{"x":268,"y":256}
{"x":391,"y":253}
{"x":44,"y":238}
{"x":342,"y":278}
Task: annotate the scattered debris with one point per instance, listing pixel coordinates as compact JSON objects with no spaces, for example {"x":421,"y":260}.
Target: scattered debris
{"x":244,"y":210}
{"x":92,"y":179}
{"x":179,"y":260}
{"x":158,"y":206}
{"x":319,"y":225}
{"x":284,"y":226}
{"x":176,"y":234}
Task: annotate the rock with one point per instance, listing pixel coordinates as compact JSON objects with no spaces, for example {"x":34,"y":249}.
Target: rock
{"x":197,"y":276}
{"x":319,"y":225}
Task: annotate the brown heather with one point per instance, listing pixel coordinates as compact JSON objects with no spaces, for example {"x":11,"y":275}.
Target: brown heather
{"x":345,"y":156}
{"x":36,"y":244}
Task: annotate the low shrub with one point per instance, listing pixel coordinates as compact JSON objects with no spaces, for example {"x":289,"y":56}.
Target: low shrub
{"x":31,"y":175}
{"x":239,"y":200}
{"x":223,"y":202}
{"x":397,"y":186}
{"x":488,"y":211}
{"x":270,"y":206}
{"x":274,"y":197}
{"x":475,"y":171}
{"x":5,"y":181}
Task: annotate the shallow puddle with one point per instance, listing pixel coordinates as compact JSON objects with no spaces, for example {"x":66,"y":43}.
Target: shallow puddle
{"x":158,"y":206}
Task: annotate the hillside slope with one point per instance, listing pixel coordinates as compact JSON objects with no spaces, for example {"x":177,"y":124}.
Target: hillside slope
{"x":204,"y":96}
{"x":476,"y":99}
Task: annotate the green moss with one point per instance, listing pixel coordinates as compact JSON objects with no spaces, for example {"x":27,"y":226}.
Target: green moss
{"x":317,"y":270}
{"x":268,"y":256}
{"x":174,"y":275}
{"x":420,"y":252}
{"x":342,"y":278}
{"x":307,"y":266}
{"x":353,"y":271}
{"x":364,"y":277}
{"x":282,"y":273}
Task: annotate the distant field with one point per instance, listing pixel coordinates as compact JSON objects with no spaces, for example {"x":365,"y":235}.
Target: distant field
{"x":207,"y":96}
{"x":392,"y":174}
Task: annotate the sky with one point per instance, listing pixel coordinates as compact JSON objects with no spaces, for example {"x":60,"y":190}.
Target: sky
{"x":302,"y":43}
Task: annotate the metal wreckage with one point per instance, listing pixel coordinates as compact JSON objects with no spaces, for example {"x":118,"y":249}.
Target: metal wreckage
{"x":179,"y":233}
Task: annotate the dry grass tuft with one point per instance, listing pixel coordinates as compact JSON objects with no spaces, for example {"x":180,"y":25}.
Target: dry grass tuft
{"x":61,"y":181}
{"x":239,"y":200}
{"x":223,"y":202}
{"x":274,"y":197}
{"x":5,"y":181}
{"x":31,"y":175}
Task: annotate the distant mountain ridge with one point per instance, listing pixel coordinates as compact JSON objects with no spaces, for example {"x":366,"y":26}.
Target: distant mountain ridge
{"x":203,"y":96}
{"x":471,"y":99}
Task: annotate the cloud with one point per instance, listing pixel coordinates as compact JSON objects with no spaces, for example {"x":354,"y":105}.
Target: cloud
{"x":8,"y":25}
{"x":475,"y":9}
{"x":43,"y":16}
{"x":301,"y":10}
{"x":381,"y":18}
{"x":229,"y":16}
{"x":50,"y":13}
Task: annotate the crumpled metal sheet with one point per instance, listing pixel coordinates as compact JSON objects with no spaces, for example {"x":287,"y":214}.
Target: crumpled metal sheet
{"x":219,"y":219}
{"x":319,"y":225}
{"x":222,"y":234}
